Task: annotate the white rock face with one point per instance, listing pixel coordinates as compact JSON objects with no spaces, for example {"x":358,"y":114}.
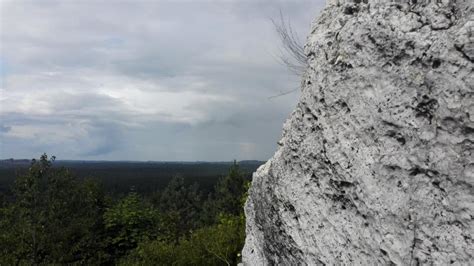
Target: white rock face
{"x":376,"y":164}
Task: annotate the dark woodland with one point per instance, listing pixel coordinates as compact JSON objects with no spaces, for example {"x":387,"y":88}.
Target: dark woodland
{"x":130,"y":213}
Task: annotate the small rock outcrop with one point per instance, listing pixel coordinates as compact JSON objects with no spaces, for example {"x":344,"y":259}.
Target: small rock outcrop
{"x":375,"y":165}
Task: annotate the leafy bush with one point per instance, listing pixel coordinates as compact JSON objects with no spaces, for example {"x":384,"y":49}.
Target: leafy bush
{"x":214,"y":245}
{"x":127,"y":223}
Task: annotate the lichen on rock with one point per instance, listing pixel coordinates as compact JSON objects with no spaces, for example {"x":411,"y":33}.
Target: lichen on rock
{"x":375,"y":165}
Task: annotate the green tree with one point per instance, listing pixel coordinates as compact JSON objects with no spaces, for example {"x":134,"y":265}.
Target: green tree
{"x":180,"y":206}
{"x":216,"y":244}
{"x":219,"y":244}
{"x":128,"y":222}
{"x":229,"y":191}
{"x":54,"y":218}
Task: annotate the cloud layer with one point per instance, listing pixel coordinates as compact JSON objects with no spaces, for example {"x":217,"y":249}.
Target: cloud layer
{"x":144,"y":80}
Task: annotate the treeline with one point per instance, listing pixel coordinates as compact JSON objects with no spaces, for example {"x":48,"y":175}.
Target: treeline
{"x":52,"y":217}
{"x":117,"y":177}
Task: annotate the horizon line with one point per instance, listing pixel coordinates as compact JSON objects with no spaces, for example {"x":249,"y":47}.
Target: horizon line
{"x":136,"y":161}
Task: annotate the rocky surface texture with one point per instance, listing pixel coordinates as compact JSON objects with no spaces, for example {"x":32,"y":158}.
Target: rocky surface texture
{"x":376,"y":164}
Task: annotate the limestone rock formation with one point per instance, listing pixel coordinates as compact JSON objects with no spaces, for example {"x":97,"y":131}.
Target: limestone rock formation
{"x":375,"y":165}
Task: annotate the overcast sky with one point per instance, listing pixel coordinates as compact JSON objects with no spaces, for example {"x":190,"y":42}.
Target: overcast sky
{"x":145,"y":80}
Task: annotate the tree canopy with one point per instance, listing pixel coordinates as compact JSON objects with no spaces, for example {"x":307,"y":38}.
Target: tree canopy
{"x":53,"y":217}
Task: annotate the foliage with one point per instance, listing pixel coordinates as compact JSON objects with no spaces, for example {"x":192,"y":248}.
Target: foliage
{"x":127,"y":223}
{"x":219,"y":244}
{"x":229,"y":191}
{"x":215,"y":244}
{"x":180,"y":205}
{"x":117,"y":178}
{"x":52,"y":217}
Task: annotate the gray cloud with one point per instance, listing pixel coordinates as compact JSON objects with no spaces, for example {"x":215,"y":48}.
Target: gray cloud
{"x":4,"y":128}
{"x":144,"y":80}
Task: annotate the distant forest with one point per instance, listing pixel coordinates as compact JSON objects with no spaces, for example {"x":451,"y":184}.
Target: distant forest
{"x":119,"y":177}
{"x":129,"y":213}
